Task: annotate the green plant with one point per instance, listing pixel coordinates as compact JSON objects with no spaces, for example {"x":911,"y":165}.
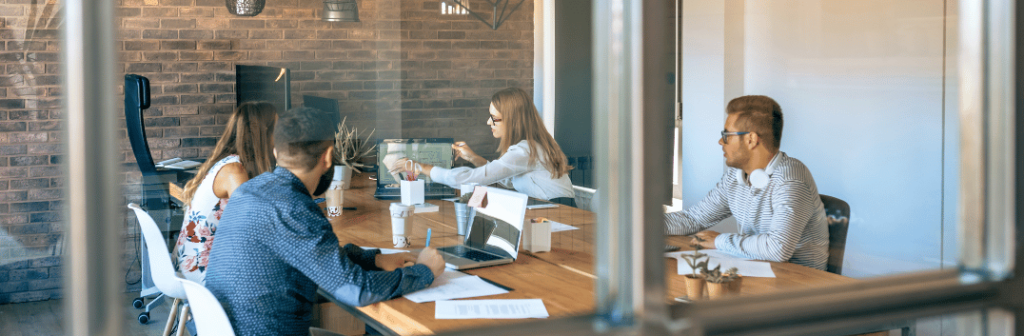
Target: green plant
{"x":465,"y":197}
{"x":717,"y":276}
{"x":350,"y":147}
{"x":694,"y":260}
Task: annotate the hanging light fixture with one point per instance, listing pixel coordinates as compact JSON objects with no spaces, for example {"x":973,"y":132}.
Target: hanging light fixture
{"x":455,"y":7}
{"x":500,"y":13}
{"x":245,"y":7}
{"x":340,"y":11}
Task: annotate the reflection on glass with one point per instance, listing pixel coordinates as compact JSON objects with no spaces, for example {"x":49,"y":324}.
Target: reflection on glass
{"x":869,"y":110}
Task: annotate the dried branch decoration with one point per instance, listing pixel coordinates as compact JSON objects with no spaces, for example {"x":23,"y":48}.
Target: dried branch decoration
{"x":350,"y":147}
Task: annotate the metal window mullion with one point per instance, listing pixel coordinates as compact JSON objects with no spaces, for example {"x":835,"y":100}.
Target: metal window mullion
{"x":987,"y":187}
{"x":94,"y":231}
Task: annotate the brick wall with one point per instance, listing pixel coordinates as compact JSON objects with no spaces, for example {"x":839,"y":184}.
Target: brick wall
{"x":404,"y":69}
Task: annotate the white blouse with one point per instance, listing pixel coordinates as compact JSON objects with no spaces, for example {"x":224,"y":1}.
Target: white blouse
{"x":512,"y":170}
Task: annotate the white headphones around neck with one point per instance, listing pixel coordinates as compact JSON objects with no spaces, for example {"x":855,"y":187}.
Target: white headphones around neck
{"x":758,"y":178}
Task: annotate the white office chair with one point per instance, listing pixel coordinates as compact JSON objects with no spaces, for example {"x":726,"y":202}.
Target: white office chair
{"x":161,"y":268}
{"x":210,"y":317}
{"x":206,"y":310}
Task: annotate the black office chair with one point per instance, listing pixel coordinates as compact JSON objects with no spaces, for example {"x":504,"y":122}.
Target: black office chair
{"x":838,"y":214}
{"x":156,"y":197}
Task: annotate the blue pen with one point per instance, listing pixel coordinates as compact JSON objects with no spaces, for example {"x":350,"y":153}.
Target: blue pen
{"x":428,"y":237}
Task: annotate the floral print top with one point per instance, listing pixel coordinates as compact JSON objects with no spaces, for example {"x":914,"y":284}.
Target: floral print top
{"x":200,"y":225}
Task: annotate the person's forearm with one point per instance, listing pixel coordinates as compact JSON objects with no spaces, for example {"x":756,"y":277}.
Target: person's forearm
{"x":478,"y":161}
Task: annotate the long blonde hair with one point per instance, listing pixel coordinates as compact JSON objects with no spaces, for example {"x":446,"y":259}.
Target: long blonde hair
{"x":249,"y":134}
{"x":522,"y":122}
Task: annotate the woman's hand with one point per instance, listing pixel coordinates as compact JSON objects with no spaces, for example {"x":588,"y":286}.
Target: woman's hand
{"x":405,"y":165}
{"x":467,"y":154}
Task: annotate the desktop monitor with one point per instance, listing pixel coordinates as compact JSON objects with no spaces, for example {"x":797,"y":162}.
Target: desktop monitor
{"x":263,"y":83}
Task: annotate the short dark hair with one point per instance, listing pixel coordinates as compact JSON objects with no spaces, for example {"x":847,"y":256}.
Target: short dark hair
{"x":758,"y":114}
{"x":302,"y":134}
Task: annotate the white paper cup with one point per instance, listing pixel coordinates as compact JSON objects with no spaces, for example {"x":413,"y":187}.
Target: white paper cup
{"x":401,"y":224}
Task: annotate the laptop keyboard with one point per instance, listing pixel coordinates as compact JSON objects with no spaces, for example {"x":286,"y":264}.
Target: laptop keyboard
{"x":471,"y":254}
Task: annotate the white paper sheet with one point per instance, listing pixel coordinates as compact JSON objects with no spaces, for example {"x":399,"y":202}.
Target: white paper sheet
{"x":384,"y":250}
{"x":558,"y":227}
{"x":459,"y":287}
{"x":746,"y":267}
{"x":490,"y":309}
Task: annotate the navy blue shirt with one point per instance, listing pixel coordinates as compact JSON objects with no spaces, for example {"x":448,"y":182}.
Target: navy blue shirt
{"x":274,"y":247}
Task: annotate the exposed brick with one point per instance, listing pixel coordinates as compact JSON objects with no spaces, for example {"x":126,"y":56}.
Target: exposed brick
{"x":246,"y":23}
{"x":178,"y":45}
{"x":44,"y":171}
{"x":46,"y":217}
{"x":30,"y":183}
{"x":29,"y":274}
{"x":160,"y":34}
{"x":177,"y":23}
{"x":37,"y":160}
{"x":44,"y":194}
{"x":30,"y":207}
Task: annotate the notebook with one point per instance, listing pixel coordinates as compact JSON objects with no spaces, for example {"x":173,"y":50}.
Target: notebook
{"x":434,"y":151}
{"x":494,"y":235}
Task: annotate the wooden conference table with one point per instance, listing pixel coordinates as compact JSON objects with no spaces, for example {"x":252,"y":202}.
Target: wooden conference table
{"x":563,"y":277}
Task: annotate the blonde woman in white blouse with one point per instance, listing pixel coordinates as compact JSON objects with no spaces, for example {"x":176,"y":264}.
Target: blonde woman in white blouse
{"x":531,"y":161}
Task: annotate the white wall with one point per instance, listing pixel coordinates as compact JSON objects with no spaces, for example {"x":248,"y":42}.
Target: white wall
{"x":867,"y":108}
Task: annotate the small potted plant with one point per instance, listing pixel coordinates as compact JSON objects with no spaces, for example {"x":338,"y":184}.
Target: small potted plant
{"x":719,"y":283}
{"x":695,"y":281}
{"x":350,"y":149}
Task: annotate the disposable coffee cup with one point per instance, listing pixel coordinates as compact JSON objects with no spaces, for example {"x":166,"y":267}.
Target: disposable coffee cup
{"x":335,"y":194}
{"x":466,"y":188}
{"x":401,"y":224}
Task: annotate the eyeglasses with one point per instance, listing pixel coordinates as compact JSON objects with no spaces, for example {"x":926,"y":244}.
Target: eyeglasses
{"x":725,"y":135}
{"x":493,"y":120}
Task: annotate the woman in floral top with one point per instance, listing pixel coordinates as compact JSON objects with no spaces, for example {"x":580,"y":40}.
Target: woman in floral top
{"x":243,"y":151}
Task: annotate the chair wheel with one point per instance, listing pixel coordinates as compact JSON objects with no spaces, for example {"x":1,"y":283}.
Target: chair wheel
{"x":138,"y":303}
{"x":143,"y":318}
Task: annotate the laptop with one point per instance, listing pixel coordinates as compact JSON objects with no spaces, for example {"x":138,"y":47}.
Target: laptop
{"x":494,"y":235}
{"x":435,"y":151}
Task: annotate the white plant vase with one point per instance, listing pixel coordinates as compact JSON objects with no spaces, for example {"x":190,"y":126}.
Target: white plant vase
{"x":346,"y":176}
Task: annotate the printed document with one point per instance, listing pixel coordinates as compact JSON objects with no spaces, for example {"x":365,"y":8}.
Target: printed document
{"x":490,"y":309}
{"x":454,"y":285}
{"x":558,"y":227}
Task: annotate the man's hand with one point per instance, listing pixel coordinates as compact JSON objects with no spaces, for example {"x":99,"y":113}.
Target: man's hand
{"x":707,"y":239}
{"x":432,"y":260}
{"x":391,"y":262}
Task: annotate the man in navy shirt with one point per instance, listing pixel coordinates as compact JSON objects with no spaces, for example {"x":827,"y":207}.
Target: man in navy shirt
{"x":274,"y":246}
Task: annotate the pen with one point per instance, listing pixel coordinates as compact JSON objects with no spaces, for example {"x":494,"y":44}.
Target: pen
{"x":428,"y":238}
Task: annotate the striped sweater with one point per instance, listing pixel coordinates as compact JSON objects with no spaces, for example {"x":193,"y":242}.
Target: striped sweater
{"x":783,"y":222}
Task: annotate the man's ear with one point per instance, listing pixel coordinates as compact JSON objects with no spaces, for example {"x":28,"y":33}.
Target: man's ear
{"x":752,"y":140}
{"x":327,"y":156}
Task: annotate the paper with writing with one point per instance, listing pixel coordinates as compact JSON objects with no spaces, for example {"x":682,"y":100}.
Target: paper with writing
{"x":490,"y":309}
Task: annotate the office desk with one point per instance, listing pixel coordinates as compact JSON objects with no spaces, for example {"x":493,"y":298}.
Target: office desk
{"x":563,"y":278}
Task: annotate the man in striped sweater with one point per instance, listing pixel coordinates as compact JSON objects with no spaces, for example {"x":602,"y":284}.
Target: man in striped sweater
{"x":772,"y":196}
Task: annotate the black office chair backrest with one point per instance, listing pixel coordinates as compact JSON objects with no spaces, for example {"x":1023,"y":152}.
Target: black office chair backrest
{"x":136,"y":99}
{"x":838,"y":214}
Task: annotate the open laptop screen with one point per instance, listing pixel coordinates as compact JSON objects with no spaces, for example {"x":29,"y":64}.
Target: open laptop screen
{"x":436,"y":152}
{"x":504,"y":217}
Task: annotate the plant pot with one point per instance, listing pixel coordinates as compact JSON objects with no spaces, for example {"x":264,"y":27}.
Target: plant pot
{"x":694,"y":287}
{"x":463,"y":216}
{"x":346,"y":176}
{"x":718,"y":290}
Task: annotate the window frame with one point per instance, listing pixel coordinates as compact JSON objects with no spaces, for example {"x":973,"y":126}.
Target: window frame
{"x":630,"y":293}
